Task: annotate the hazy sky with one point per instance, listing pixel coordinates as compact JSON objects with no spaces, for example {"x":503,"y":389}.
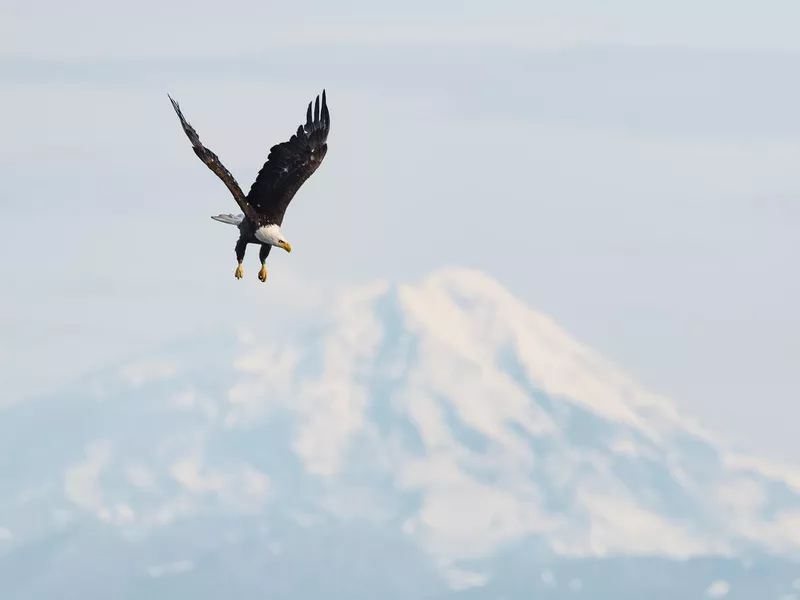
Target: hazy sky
{"x":630,"y":169}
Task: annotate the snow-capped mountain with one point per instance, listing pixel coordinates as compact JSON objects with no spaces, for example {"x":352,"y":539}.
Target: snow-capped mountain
{"x":414,"y":441}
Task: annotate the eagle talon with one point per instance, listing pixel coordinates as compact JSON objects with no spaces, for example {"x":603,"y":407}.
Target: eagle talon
{"x":262,"y":274}
{"x":239,"y":272}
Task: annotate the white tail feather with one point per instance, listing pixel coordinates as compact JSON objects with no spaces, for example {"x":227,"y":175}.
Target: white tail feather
{"x":229,"y":218}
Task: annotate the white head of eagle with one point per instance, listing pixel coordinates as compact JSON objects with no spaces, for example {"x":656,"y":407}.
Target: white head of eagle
{"x":288,"y":166}
{"x":271,"y":234}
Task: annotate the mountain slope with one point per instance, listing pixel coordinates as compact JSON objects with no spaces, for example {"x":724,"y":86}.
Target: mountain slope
{"x":414,"y":439}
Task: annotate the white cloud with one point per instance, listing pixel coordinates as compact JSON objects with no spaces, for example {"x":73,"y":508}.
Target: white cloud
{"x":141,"y":477}
{"x":718,"y":589}
{"x":187,"y":399}
{"x":460,"y":579}
{"x":626,"y":446}
{"x":82,"y":481}
{"x":254,"y":484}
{"x":5,"y":535}
{"x":121,"y":514}
{"x":175,"y":568}
{"x":188,"y":471}
{"x":242,"y":486}
{"x":176,"y":508}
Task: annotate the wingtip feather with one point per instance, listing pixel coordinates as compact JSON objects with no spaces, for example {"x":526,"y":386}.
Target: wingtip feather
{"x":326,"y":115}
{"x":175,"y":105}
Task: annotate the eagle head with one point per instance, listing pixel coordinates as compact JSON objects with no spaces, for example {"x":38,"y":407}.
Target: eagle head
{"x":271,"y":234}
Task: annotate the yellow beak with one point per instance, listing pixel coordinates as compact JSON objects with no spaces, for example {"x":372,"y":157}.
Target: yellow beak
{"x":286,"y":246}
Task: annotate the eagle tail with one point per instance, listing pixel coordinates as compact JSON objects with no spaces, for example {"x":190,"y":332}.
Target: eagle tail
{"x":229,"y":218}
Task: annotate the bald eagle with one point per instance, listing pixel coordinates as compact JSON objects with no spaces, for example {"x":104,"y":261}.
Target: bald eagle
{"x":289,"y":164}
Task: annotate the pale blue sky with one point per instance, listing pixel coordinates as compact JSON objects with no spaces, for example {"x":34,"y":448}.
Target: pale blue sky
{"x":631,"y":171}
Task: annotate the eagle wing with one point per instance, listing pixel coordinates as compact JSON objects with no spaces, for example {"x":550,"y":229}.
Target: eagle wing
{"x":290,"y":164}
{"x":212,"y":161}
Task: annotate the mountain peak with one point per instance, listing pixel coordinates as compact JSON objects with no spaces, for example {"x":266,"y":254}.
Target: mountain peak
{"x":468,"y":282}
{"x":469,"y":361}
{"x":443,"y":416}
{"x":472,"y":314}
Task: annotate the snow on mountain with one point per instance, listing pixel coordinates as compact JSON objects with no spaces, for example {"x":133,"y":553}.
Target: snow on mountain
{"x":444,"y":420}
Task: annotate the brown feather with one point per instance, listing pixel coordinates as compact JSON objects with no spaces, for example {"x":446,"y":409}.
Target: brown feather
{"x":290,"y":164}
{"x":213,"y":162}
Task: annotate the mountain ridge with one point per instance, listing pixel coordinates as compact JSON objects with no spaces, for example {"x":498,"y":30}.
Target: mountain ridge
{"x":443,"y":417}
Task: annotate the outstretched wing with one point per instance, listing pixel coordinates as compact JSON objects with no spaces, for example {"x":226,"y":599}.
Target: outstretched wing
{"x":290,"y":164}
{"x":212,"y":161}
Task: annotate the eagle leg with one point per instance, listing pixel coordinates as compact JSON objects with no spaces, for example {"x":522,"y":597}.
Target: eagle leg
{"x":263,"y":253}
{"x":241,"y":246}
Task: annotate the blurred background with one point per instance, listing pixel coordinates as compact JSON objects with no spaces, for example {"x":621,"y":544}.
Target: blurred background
{"x":627,"y":169}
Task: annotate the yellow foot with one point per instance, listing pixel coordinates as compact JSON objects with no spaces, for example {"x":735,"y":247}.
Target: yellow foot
{"x":239,"y":273}
{"x":262,"y":274}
